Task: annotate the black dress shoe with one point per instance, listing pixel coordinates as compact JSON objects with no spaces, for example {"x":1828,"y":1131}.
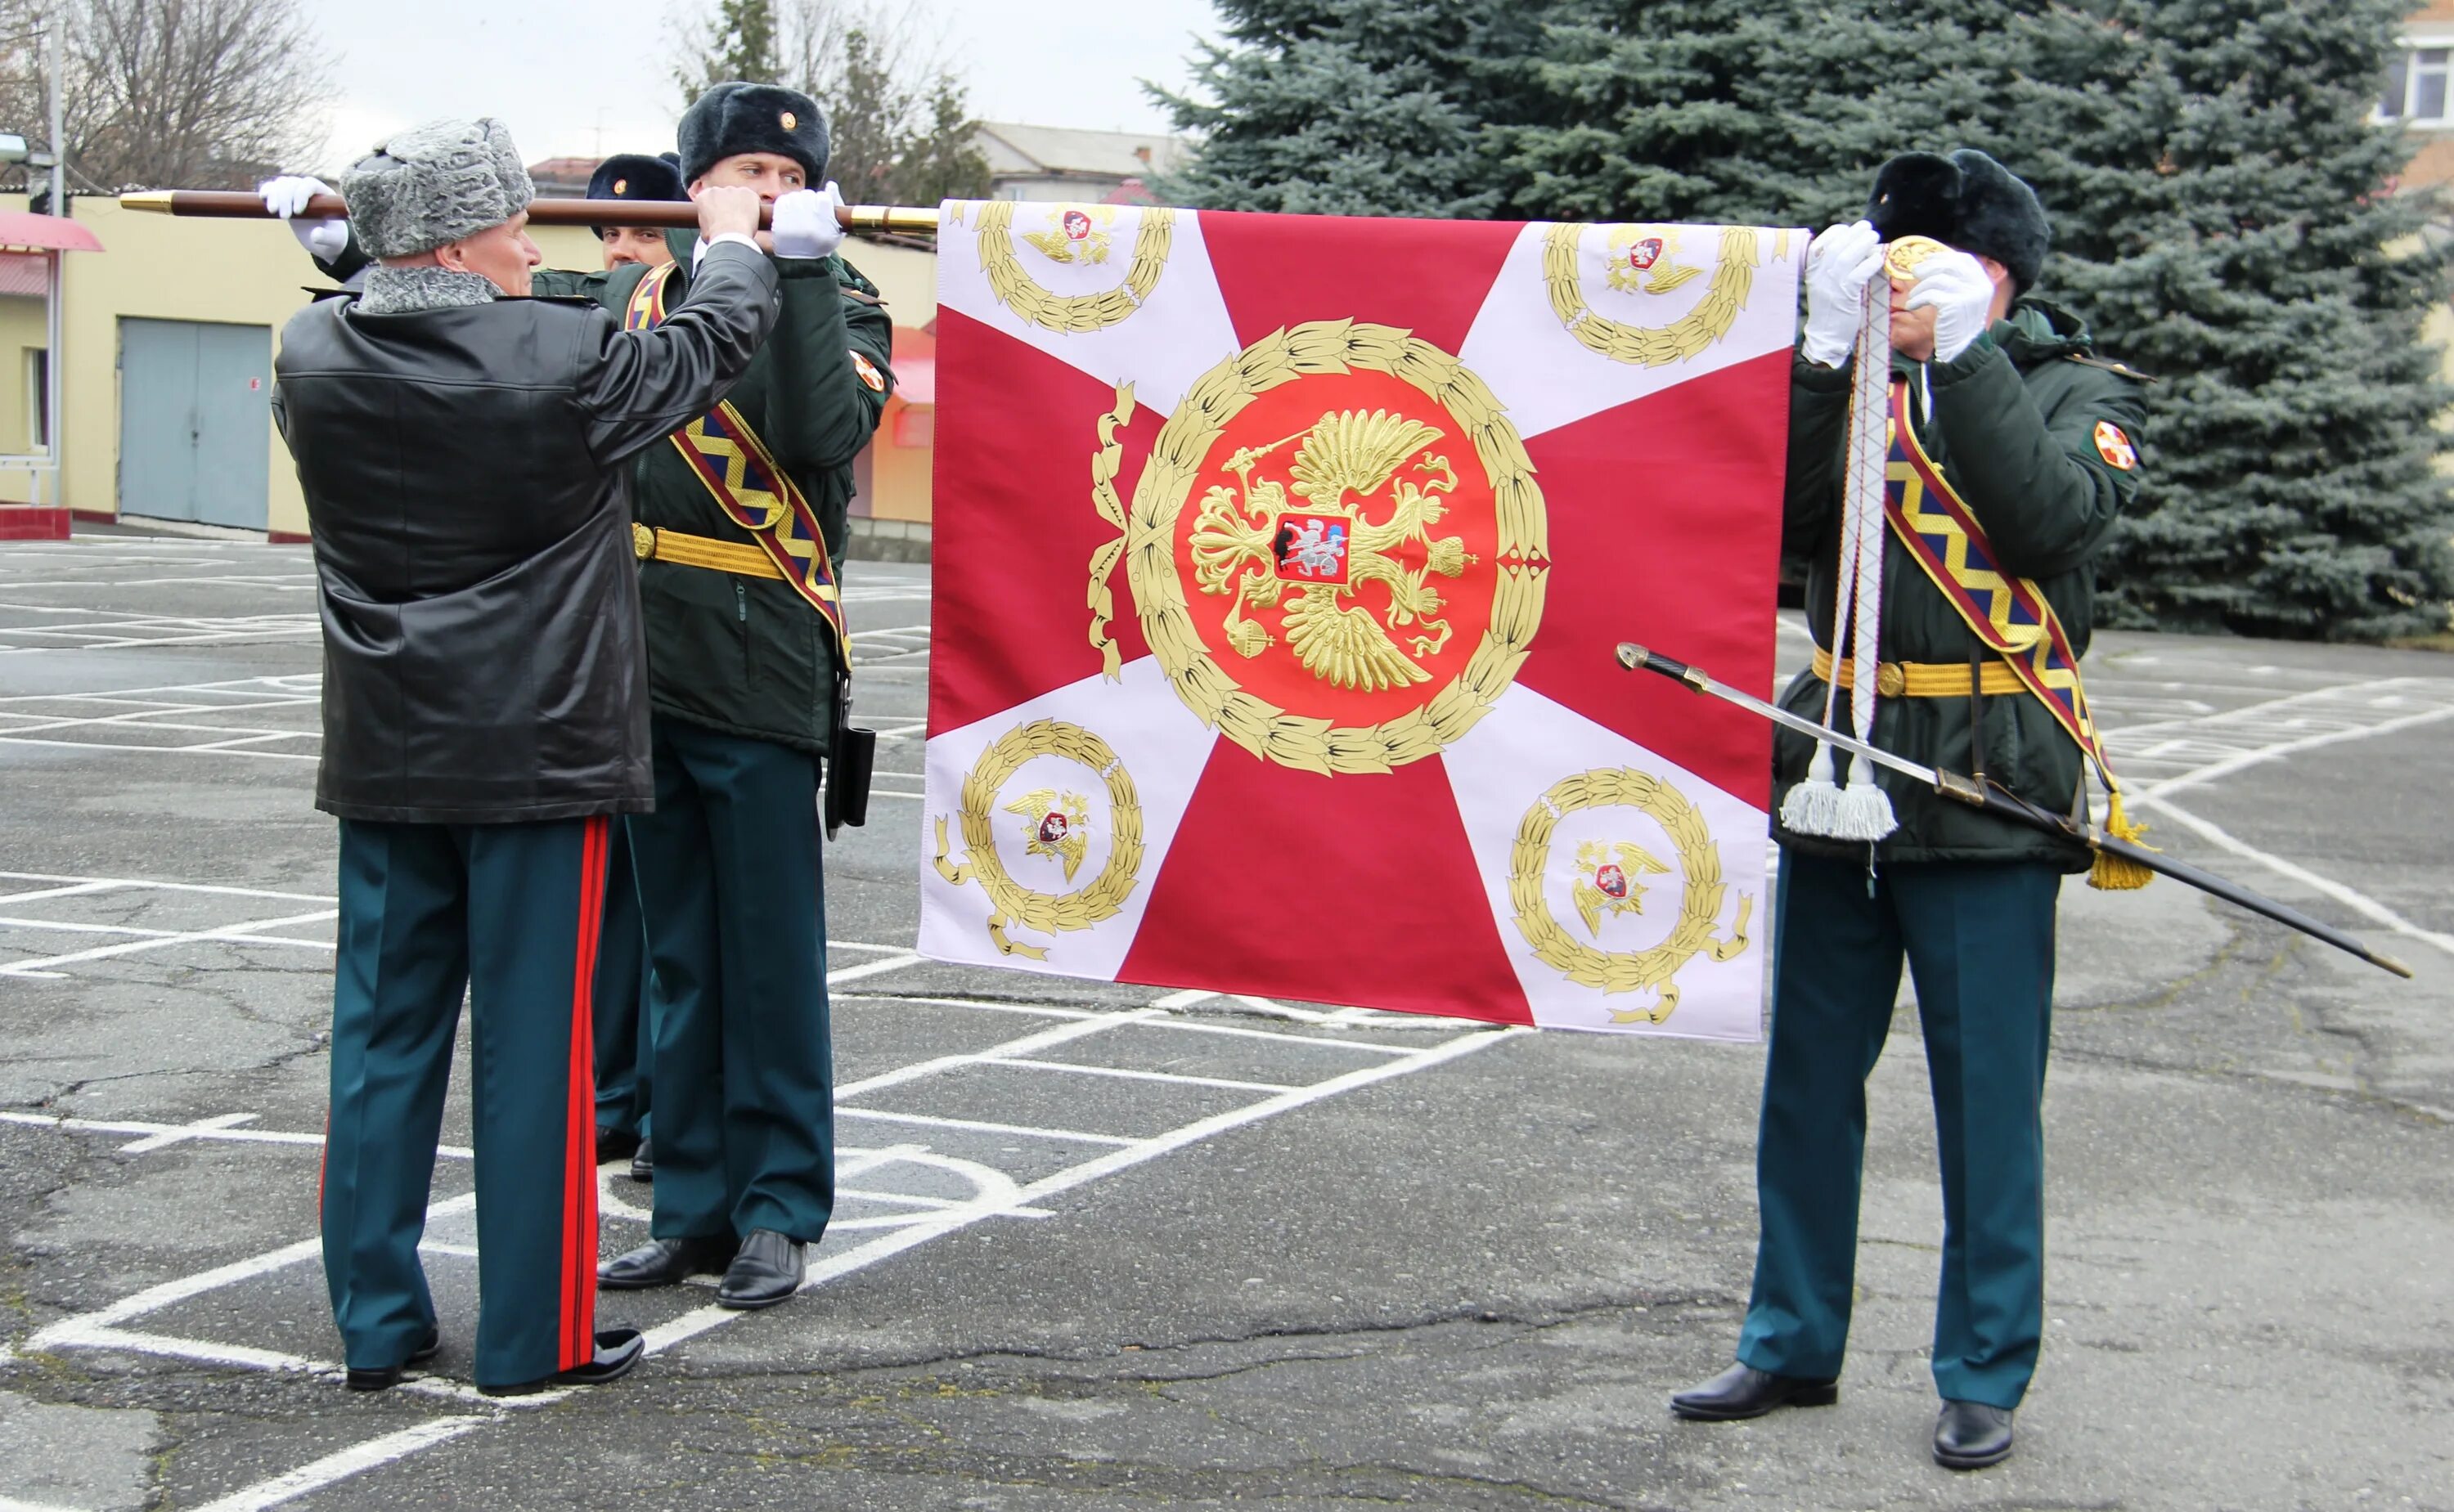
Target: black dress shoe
{"x":1970,"y":1436}
{"x":1743,"y":1391}
{"x":619,"y":1352}
{"x":614,"y":1143}
{"x":385,"y":1377}
{"x":767,"y":1270}
{"x":643,"y":1163}
{"x":664,"y":1263}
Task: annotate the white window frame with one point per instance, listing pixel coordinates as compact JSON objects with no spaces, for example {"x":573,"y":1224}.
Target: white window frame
{"x":2413,"y":45}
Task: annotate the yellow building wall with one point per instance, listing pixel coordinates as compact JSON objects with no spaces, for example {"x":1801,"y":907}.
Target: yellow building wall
{"x":250,"y":272}
{"x":22,"y":335}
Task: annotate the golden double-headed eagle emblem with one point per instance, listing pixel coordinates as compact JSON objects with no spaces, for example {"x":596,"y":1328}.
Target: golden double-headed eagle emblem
{"x":1055,"y":826}
{"x":1080,"y":238}
{"x":1606,"y":882}
{"x":1306,"y":549}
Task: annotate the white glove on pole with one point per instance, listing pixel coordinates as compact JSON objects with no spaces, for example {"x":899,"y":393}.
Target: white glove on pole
{"x":1954,"y":285}
{"x":1840,"y":264}
{"x":806,"y":224}
{"x":286,"y":196}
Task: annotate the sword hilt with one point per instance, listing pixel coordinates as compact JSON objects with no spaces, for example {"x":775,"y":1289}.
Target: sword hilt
{"x":1636,"y":659}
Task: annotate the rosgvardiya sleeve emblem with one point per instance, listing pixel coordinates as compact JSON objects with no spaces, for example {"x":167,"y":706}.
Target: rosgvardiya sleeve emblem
{"x":1337,"y":549}
{"x":1608,"y":885}
{"x":1078,"y":239}
{"x":1052,"y":827}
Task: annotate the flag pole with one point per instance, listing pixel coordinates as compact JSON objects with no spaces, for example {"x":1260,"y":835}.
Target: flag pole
{"x":672,"y":214}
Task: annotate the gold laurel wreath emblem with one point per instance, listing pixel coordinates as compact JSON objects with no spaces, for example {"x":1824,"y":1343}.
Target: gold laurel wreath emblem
{"x":1699,"y":902}
{"x":1076,"y":314}
{"x":1177,"y":455}
{"x":1014,"y":904}
{"x":1682,"y":340}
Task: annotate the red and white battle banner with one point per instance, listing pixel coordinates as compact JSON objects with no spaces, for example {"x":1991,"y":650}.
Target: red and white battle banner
{"x":1280,"y":564}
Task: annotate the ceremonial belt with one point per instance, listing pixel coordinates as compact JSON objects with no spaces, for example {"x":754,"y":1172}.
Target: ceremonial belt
{"x":725,"y":455}
{"x":702,"y":552}
{"x":2006,"y":612}
{"x":1923,"y":679}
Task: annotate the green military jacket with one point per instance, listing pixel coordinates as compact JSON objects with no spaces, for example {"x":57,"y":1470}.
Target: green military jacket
{"x":749,"y":656}
{"x":2014,"y":426}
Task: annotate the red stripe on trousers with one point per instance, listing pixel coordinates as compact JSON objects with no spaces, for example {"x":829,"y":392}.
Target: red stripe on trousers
{"x":579,"y":1142}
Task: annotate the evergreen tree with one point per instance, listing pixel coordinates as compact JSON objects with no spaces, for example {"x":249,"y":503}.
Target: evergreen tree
{"x":735,"y":39}
{"x":1354,"y":106}
{"x":2259,"y":266}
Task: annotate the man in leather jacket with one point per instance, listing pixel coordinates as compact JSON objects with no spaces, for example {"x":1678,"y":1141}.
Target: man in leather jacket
{"x":464,"y":452}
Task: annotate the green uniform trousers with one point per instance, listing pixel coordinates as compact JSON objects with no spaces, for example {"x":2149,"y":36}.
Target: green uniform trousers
{"x":625,"y":1062}
{"x":1979,"y":940}
{"x":510,"y":913}
{"x":729,"y":881}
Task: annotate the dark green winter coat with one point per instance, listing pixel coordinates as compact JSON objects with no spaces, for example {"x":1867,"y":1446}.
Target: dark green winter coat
{"x":2014,"y":427}
{"x":749,"y":656}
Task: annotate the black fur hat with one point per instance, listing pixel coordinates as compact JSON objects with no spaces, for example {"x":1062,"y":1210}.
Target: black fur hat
{"x":1966,"y":200}
{"x":636,"y":176}
{"x":734,"y":118}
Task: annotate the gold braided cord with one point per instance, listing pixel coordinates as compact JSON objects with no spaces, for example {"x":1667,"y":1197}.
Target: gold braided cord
{"x":1076,"y":314}
{"x":1734,"y":276}
{"x":1314,"y":348}
{"x":1100,"y":898}
{"x":1700,"y":902}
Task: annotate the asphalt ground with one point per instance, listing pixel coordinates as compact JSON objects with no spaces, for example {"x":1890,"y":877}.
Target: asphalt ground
{"x":1103,"y":1247}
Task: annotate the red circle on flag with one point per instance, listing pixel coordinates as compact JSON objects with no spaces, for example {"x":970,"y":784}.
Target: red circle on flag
{"x":1364,"y":624}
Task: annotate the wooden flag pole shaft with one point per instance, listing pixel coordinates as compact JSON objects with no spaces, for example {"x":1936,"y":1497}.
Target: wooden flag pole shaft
{"x":674,"y":214}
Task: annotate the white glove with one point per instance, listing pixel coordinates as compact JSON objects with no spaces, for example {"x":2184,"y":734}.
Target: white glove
{"x":1840,"y":264}
{"x":806,"y":224}
{"x":286,"y":196}
{"x":1954,"y":285}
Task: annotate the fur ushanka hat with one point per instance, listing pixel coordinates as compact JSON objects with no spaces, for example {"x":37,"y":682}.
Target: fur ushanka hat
{"x":434,"y":184}
{"x":734,"y":118}
{"x":1965,"y":200}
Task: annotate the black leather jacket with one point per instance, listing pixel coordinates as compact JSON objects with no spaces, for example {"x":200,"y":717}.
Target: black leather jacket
{"x":466,"y":479}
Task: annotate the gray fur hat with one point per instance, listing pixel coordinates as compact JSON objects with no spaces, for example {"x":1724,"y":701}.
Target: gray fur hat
{"x":433,"y":184}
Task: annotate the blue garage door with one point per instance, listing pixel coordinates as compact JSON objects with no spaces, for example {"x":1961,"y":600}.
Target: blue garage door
{"x":195,"y":402}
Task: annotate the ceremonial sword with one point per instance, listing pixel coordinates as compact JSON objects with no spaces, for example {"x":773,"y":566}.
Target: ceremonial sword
{"x":1994,"y":798}
{"x":676,"y":214}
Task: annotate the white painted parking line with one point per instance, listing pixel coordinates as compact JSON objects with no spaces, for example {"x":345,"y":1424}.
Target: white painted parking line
{"x":981,"y":1127}
{"x":1129,"y":1074}
{"x":251,"y":932}
{"x":341,"y":1466}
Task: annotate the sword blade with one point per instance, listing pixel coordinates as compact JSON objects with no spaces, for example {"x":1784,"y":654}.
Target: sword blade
{"x":1951,"y":784}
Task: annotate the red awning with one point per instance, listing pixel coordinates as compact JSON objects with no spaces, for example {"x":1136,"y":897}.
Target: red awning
{"x":21,"y":230}
{"x":25,"y":274}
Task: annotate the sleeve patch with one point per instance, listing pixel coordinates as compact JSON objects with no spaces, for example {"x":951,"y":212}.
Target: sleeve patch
{"x":2114,"y":446}
{"x":875,"y":382}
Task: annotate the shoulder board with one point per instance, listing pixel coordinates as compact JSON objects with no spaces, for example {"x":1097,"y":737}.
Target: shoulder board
{"x":859,"y":297}
{"x":2108,"y":364}
{"x":323,"y":294}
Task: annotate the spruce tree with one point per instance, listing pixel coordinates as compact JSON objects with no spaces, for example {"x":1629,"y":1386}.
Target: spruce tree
{"x":1354,"y":106}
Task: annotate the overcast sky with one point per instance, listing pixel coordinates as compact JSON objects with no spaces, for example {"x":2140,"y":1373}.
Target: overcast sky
{"x":573,"y":77}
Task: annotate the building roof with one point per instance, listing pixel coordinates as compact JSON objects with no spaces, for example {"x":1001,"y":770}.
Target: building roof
{"x":1018,"y":150}
{"x":2437,"y":11}
{"x":563,"y":177}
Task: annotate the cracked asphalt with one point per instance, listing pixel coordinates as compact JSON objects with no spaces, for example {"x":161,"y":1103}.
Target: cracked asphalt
{"x":1468,"y":1282}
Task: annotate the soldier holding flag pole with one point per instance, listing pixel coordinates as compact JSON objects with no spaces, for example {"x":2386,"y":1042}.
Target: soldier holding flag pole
{"x":1951,"y":524}
{"x":740,"y":521}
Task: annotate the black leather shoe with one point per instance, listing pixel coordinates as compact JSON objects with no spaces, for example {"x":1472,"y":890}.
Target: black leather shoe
{"x":389,"y":1376}
{"x":664,"y":1263}
{"x":619,"y":1352}
{"x":1970,"y":1436}
{"x":643,"y":1164}
{"x":767,"y":1270}
{"x":1743,"y":1391}
{"x":614,"y":1144}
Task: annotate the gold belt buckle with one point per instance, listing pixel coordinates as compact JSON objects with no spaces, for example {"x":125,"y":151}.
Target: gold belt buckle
{"x":643,"y":543}
{"x":1890,"y":681}
{"x":1902,"y":259}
